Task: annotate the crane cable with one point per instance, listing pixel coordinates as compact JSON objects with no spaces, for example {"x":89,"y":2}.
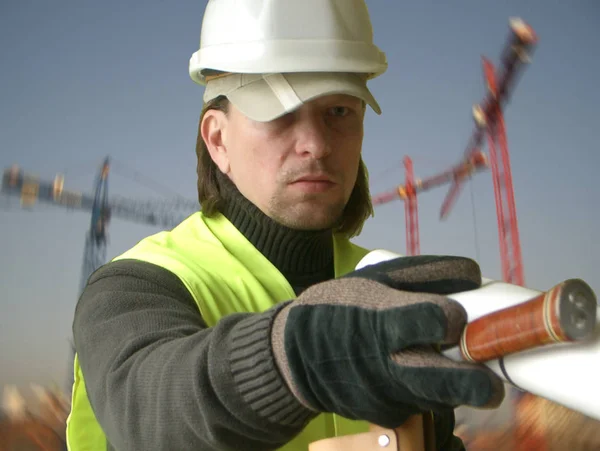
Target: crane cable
{"x":136,"y":176}
{"x":475,"y":233}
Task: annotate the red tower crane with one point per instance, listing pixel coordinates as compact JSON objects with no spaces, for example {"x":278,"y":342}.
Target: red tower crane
{"x":474,"y":162}
{"x":489,"y":122}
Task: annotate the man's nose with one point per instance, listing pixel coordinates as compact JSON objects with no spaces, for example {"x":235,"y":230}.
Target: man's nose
{"x":313,"y":137}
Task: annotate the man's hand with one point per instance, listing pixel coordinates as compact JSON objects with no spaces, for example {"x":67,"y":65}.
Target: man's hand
{"x":365,"y":346}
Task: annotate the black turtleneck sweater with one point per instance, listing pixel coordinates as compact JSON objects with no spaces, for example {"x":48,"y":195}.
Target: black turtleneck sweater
{"x":303,"y":257}
{"x":159,"y":379}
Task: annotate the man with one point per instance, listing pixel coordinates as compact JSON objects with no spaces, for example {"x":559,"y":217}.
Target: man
{"x":245,"y":327}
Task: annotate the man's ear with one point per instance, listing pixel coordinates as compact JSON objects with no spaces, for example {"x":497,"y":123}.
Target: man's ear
{"x":212,"y":129}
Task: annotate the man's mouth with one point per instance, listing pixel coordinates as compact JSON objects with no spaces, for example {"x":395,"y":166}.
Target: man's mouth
{"x":314,"y":178}
{"x":313,"y":183}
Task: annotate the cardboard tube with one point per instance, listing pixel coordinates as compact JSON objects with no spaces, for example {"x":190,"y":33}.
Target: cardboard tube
{"x":565,"y":373}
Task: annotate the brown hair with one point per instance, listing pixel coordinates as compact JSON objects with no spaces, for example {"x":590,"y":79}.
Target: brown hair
{"x":356,"y":212}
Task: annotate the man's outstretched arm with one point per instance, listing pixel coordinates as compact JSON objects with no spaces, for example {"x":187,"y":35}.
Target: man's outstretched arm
{"x":158,"y":378}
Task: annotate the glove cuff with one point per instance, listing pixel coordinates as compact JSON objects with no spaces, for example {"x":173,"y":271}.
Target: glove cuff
{"x":257,"y":376}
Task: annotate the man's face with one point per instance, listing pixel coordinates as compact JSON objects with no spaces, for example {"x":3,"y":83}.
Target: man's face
{"x":299,"y":169}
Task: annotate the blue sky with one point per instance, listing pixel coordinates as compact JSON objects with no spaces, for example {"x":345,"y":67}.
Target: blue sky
{"x":81,"y":80}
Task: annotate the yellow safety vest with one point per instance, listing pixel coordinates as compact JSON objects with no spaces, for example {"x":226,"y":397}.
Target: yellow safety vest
{"x":225,"y":274}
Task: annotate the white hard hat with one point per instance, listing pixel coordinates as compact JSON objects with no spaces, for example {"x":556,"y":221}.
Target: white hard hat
{"x":330,"y":39}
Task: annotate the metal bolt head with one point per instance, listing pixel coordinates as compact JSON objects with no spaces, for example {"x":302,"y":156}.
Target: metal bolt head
{"x":383,"y":440}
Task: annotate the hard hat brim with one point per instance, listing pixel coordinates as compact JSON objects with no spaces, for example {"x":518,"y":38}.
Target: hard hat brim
{"x":265,"y":97}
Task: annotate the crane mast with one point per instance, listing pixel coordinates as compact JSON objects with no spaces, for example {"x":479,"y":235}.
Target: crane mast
{"x":489,"y":118}
{"x":94,"y":254}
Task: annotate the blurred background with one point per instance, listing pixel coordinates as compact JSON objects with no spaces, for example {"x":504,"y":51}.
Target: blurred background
{"x":85,"y":81}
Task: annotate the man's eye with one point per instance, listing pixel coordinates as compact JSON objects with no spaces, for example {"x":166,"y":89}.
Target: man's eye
{"x":340,"y":111}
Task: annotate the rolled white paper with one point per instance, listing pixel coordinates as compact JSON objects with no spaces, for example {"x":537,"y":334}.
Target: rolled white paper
{"x":565,"y":373}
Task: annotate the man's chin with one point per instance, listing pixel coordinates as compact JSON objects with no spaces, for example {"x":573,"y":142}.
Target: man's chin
{"x":310,"y":220}
{"x":310,"y":226}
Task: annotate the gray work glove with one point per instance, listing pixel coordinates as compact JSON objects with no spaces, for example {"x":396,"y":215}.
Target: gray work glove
{"x":365,"y":346}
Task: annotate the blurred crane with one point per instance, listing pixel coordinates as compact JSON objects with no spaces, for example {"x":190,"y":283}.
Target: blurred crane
{"x":474,"y":162}
{"x":164,"y":214}
{"x":489,"y":121}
